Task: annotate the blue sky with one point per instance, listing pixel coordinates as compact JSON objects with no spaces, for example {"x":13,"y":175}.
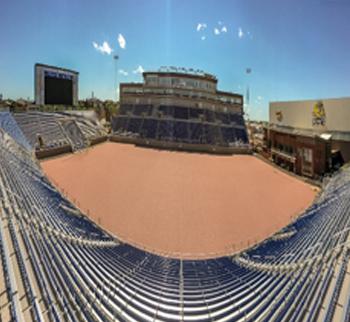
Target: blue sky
{"x":296,"y":49}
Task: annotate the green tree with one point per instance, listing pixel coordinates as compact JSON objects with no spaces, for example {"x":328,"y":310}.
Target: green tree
{"x":111,"y":109}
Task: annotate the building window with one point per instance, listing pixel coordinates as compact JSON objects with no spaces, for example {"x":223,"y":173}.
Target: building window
{"x":151,"y":80}
{"x":175,"y":81}
{"x":166,"y":81}
{"x":190,"y":83}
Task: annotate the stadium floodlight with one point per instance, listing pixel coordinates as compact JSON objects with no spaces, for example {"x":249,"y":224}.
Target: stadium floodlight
{"x":115,"y":57}
{"x":248,"y":71}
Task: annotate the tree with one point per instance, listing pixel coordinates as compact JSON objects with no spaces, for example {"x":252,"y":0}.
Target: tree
{"x":111,"y":108}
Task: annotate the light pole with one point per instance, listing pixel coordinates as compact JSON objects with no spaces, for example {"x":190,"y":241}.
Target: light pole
{"x":248,"y":70}
{"x":115,"y":76}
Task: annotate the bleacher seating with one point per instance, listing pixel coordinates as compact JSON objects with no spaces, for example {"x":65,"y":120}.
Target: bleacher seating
{"x":88,"y":123}
{"x":74,"y":134}
{"x":181,"y":113}
{"x":222,"y":117}
{"x":119,"y":124}
{"x":209,"y":116}
{"x":8,"y":123}
{"x":212,"y":134}
{"x":72,"y":128}
{"x":195,"y":113}
{"x":181,"y":124}
{"x":228,"y":135}
{"x":181,"y":131}
{"x":241,"y":134}
{"x":62,"y":267}
{"x":168,"y":111}
{"x":44,"y":125}
{"x":134,"y":126}
{"x":125,"y":109}
{"x":196,"y":132}
{"x":236,"y":119}
{"x":165,"y":130}
{"x":142,"y":109}
{"x":149,"y":129}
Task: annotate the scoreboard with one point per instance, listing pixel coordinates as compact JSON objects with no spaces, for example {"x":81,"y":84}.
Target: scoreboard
{"x":55,"y":86}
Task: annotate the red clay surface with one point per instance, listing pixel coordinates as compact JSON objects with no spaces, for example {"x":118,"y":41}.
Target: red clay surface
{"x":180,"y":204}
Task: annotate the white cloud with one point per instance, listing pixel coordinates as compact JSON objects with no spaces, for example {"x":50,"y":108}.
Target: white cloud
{"x":203,"y":38}
{"x":122,"y":42}
{"x":220,"y":22}
{"x":138,"y":70}
{"x":201,"y":26}
{"x":104,"y":49}
{"x":123,"y":72}
{"x":240,"y":33}
{"x":224,"y":29}
{"x":217,"y":31}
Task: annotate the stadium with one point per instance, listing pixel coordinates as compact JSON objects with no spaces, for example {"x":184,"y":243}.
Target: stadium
{"x":190,"y":226}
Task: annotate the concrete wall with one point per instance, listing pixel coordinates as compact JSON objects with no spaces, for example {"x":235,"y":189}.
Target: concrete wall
{"x":181,"y":146}
{"x":48,"y":153}
{"x":299,"y":115}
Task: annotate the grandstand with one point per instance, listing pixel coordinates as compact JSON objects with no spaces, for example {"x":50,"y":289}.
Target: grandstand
{"x":185,"y":111}
{"x":219,"y":129}
{"x":57,"y":265}
{"x":59,"y":132}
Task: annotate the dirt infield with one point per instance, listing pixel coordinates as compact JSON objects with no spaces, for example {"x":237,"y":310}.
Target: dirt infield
{"x":180,"y":204}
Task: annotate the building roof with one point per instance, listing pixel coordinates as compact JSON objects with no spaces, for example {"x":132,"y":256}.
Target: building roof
{"x":56,"y":67}
{"x":182,"y":73}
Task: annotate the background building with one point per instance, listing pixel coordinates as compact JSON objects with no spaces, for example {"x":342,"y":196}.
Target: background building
{"x":309,"y":137}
